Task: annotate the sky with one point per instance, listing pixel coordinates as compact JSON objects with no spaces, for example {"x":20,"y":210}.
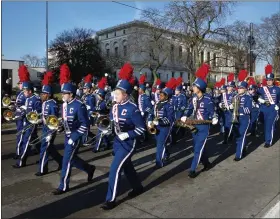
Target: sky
{"x":23,"y":23}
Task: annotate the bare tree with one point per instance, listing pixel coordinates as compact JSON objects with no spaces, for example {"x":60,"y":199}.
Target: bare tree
{"x":197,"y":21}
{"x":269,"y":37}
{"x":32,"y":60}
{"x":151,"y":41}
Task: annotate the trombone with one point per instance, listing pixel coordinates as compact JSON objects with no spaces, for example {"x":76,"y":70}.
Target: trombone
{"x":7,"y":101}
{"x":33,"y":118}
{"x":53,"y":123}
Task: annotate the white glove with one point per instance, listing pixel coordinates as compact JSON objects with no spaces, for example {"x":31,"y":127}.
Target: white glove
{"x":155,"y":122}
{"x":276,"y":107}
{"x":48,"y":138}
{"x":214,"y":121}
{"x":231,"y":106}
{"x":23,"y":107}
{"x":70,"y":141}
{"x":221,"y":105}
{"x":142,"y":113}
{"x":153,"y":102}
{"x":123,"y":136}
{"x":261,"y":100}
{"x":150,"y":124}
{"x":183,"y":119}
{"x":88,"y":107}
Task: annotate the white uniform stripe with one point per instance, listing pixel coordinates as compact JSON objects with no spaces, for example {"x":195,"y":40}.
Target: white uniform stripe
{"x":44,"y":156}
{"x":118,"y":170}
{"x":244,"y":138}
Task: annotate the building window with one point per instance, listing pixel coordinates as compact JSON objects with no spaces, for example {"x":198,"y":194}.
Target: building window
{"x":108,"y":52}
{"x":123,"y":31}
{"x":214,"y":60}
{"x":180,"y":51}
{"x":159,"y":75}
{"x":115,"y":33}
{"x":201,"y":57}
{"x":166,"y":77}
{"x":189,"y":76}
{"x":181,"y":74}
{"x":116,"y":51}
{"x":124,"y":51}
{"x":173,"y":74}
{"x":226,"y":61}
{"x":208,"y":57}
{"x":38,"y":74}
{"x":107,"y":35}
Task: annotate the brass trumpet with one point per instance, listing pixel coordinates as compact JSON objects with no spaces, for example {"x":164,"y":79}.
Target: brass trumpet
{"x":152,"y":130}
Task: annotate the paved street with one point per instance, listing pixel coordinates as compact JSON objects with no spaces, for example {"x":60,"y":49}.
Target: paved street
{"x":230,"y":189}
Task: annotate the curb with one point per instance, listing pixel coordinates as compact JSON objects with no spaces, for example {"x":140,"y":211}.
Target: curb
{"x":271,"y":210}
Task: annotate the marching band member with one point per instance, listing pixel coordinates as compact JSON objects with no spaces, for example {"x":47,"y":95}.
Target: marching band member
{"x":49,"y":107}
{"x":76,"y":122}
{"x":222,"y":108}
{"x":269,"y":99}
{"x":202,"y":108}
{"x":127,"y":124}
{"x":20,"y":101}
{"x":144,"y":101}
{"x":155,"y":95}
{"x":216,"y":100}
{"x":162,"y":118}
{"x":32,"y":104}
{"x":255,"y":106}
{"x":180,"y":105}
{"x":244,"y":111}
{"x":227,"y":106}
{"x":102,"y":109}
{"x":89,"y":100}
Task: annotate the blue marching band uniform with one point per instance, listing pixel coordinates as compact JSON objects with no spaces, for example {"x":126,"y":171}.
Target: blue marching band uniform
{"x":163,"y":110}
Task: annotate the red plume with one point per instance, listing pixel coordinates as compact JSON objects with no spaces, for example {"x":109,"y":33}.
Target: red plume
{"x":132,"y":81}
{"x":222,"y":82}
{"x":23,"y":74}
{"x":268,"y":69}
{"x":158,"y":82}
{"x":179,"y":81}
{"x":102,"y":83}
{"x":48,"y":78}
{"x":126,"y":72}
{"x":64,"y":74}
{"x":88,"y":78}
{"x":142,"y":79}
{"x":172,"y":83}
{"x":230,"y":77}
{"x":264,"y":82}
{"x":202,"y":72}
{"x":277,"y":83}
{"x":251,"y":81}
{"x":242,"y":75}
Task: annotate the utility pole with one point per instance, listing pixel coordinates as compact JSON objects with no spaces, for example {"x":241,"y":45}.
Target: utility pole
{"x":252,"y":42}
{"x":47,"y":44}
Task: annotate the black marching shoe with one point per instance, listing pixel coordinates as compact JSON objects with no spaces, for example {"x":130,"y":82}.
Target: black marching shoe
{"x":59,"y":191}
{"x":95,"y":151}
{"x":90,"y":173}
{"x":207,"y":167}
{"x":41,"y":174}
{"x":267,"y":145}
{"x":237,"y":159}
{"x":16,"y":166}
{"x":193,"y":174}
{"x":108,"y":205}
{"x":135,"y":192}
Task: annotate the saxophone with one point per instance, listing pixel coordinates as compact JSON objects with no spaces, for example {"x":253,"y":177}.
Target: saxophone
{"x":235,"y":114}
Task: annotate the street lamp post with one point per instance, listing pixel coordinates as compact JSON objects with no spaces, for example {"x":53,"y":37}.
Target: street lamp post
{"x":47,"y":45}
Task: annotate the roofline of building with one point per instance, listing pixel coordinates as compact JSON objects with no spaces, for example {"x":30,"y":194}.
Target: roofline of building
{"x":12,"y":60}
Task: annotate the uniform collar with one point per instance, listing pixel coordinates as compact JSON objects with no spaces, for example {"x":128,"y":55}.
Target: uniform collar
{"x":71,"y":101}
{"x":124,"y":102}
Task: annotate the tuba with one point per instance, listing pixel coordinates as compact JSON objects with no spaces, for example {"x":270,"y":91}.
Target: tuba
{"x":235,"y":103}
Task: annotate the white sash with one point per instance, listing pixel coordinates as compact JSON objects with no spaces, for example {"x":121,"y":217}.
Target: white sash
{"x":116,"y":118}
{"x":64,"y":116}
{"x":43,"y":114}
{"x":271,"y":101}
{"x":139,"y":103}
{"x":225,"y":100}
